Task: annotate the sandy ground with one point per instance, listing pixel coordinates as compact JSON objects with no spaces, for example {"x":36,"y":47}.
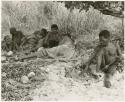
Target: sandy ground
{"x":97,"y":92}
{"x":59,"y":88}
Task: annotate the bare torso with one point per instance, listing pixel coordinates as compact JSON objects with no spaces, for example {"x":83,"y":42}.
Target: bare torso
{"x":110,"y":53}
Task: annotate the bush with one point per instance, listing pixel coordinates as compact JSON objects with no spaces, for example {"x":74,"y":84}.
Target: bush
{"x":83,"y":26}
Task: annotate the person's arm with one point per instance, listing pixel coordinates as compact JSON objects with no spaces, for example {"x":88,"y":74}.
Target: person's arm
{"x":46,"y":39}
{"x":3,"y":45}
{"x":99,"y":60}
{"x":40,"y":44}
{"x":116,"y":59}
{"x":34,"y":55}
{"x":93,"y":55}
{"x":90,"y":60}
{"x":23,"y":42}
{"x":118,"y":49}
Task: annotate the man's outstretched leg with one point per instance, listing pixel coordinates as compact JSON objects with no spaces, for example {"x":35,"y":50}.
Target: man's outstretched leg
{"x":109,"y":76}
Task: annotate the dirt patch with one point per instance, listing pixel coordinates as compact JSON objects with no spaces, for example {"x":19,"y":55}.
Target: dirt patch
{"x":59,"y":87}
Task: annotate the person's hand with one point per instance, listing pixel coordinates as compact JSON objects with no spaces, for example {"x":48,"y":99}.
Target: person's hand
{"x":105,"y":68}
{"x":117,"y":57}
{"x":32,"y":50}
{"x":120,"y":58}
{"x":19,"y":58}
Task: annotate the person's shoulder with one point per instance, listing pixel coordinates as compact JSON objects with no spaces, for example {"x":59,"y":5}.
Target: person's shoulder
{"x":31,"y":36}
{"x":20,"y":32}
{"x":116,"y":45}
{"x":111,"y":44}
{"x":49,"y":32}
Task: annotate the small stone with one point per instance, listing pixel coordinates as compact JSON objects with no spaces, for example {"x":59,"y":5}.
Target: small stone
{"x":31,"y":74}
{"x":47,"y":70}
{"x":9,"y":53}
{"x":3,"y":59}
{"x":24,"y":79}
{"x":4,"y":74}
{"x":16,"y":58}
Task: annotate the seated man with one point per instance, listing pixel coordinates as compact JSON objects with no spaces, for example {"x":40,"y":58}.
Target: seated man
{"x":65,"y":49}
{"x":7,"y":44}
{"x":16,"y":38}
{"x":106,"y":57}
{"x":52,"y":39}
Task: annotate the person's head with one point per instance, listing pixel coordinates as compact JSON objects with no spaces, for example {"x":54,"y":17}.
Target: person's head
{"x":43,"y":32}
{"x":7,"y":39}
{"x":104,"y":37}
{"x":54,"y":27}
{"x":12,"y":30}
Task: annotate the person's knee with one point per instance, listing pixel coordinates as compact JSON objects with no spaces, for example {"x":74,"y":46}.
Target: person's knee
{"x":40,"y":49}
{"x":112,"y":71}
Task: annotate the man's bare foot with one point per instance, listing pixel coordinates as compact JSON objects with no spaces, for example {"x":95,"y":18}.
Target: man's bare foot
{"x":97,"y":75}
{"x":107,"y":84}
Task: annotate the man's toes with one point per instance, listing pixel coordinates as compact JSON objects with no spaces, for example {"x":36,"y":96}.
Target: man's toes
{"x":95,"y":76}
{"x":107,"y":84}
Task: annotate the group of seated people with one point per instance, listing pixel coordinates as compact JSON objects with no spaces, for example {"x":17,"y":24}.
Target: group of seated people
{"x":18,"y":41}
{"x":52,"y":43}
{"x":31,"y":43}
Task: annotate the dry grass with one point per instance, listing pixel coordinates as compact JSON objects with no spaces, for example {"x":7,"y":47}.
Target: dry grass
{"x":31,"y":16}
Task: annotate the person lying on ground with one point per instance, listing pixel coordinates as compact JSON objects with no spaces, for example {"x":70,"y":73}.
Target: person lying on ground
{"x":41,"y":38}
{"x":61,"y":48}
{"x":33,"y":42}
{"x":105,"y":58}
{"x":30,"y":41}
{"x":51,"y":40}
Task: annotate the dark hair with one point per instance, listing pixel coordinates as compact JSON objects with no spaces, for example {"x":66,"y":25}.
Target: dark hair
{"x":12,"y":30}
{"x":104,"y":33}
{"x":44,"y":30}
{"x":54,"y":26}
